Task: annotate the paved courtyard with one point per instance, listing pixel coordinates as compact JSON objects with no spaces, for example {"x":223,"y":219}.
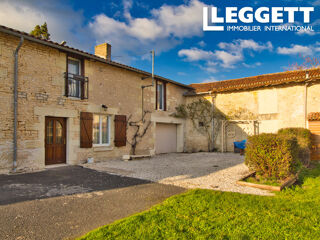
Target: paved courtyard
{"x":69,"y":201}
{"x":217,"y":171}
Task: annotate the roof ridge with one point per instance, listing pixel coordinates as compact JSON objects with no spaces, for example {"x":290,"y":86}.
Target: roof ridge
{"x":261,"y":75}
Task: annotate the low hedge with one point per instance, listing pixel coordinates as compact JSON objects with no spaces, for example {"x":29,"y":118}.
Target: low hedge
{"x":303,"y":136}
{"x":272,"y":156}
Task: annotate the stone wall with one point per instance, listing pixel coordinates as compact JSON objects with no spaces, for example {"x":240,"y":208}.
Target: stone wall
{"x":41,"y":93}
{"x":273,"y":108}
{"x":195,"y":141}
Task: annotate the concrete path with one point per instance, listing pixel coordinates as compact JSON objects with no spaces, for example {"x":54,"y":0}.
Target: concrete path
{"x":97,"y":199}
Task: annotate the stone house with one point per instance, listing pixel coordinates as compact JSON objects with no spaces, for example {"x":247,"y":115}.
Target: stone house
{"x":72,"y":105}
{"x":263,"y":104}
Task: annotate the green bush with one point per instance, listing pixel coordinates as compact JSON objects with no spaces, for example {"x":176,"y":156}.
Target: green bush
{"x":272,"y":156}
{"x":303,"y":136}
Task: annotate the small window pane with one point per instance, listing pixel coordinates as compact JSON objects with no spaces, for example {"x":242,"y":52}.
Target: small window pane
{"x":105,"y":130}
{"x":160,"y":96}
{"x":96,"y":129}
{"x":73,"y":66}
{"x":50,"y":132}
{"x":101,"y":129}
{"x":59,"y":133}
{"x":74,"y":84}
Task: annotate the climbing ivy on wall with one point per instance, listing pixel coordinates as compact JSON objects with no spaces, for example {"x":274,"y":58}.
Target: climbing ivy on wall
{"x":205,"y":118}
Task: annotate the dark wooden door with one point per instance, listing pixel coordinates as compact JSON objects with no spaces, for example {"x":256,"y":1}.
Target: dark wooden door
{"x":55,"y":140}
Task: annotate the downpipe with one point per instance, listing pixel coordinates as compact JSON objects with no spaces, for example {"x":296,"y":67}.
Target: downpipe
{"x":15,"y":105}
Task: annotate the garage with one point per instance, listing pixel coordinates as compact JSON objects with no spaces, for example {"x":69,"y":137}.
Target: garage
{"x":166,"y":138}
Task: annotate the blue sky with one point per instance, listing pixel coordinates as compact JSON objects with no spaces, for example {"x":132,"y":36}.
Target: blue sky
{"x":174,"y":29}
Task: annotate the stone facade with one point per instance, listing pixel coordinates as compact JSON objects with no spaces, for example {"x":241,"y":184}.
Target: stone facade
{"x":41,"y":91}
{"x":41,"y":94}
{"x":272,"y":108}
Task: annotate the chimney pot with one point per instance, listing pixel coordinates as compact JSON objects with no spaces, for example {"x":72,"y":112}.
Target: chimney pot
{"x":103,"y":50}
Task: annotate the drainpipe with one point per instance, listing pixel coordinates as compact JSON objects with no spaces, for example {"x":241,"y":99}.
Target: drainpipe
{"x":15,"y":105}
{"x":306,"y":101}
{"x":212,"y":130}
{"x":306,"y":105}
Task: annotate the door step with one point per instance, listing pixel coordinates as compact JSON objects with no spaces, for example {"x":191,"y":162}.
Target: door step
{"x":135,"y":157}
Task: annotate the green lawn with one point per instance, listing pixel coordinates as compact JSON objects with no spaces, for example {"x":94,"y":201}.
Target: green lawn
{"x":205,"y":214}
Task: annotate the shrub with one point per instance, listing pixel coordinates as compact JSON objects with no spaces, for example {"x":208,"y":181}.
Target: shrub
{"x":272,"y":156}
{"x":303,"y":136}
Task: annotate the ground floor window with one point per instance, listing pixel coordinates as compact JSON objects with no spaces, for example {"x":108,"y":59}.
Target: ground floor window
{"x":101,"y":130}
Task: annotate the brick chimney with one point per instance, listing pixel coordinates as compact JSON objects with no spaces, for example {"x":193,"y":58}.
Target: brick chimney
{"x":103,"y":50}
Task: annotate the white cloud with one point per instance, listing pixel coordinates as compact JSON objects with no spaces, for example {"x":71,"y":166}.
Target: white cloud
{"x":210,"y":67}
{"x":64,"y":23}
{"x":227,"y":56}
{"x":228,"y":59}
{"x":182,"y":74}
{"x":202,"y":44}
{"x":257,"y":64}
{"x":210,"y":79}
{"x":195,"y":54}
{"x":295,"y":49}
{"x":316,"y":3}
{"x":163,"y":30}
{"x":182,"y":20}
{"x":241,"y":44}
{"x":306,"y":32}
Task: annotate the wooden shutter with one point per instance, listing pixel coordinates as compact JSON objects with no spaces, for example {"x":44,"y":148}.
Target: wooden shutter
{"x":120,"y":130}
{"x":86,"y":121}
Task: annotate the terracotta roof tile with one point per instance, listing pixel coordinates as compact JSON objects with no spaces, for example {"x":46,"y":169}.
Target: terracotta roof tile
{"x":314,"y":116}
{"x":257,"y":81}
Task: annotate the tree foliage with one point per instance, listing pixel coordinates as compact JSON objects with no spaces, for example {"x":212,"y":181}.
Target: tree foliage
{"x":41,"y":31}
{"x":307,"y":63}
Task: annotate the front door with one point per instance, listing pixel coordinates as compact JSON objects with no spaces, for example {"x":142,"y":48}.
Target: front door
{"x":55,"y":140}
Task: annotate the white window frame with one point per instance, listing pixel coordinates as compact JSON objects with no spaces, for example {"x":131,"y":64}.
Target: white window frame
{"x":80,"y":71}
{"x":100,"y":132}
{"x":161,"y":97}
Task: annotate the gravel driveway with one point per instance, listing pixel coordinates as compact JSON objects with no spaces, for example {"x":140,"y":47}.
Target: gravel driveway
{"x":218,"y":171}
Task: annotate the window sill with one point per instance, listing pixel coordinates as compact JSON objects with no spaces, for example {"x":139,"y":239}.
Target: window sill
{"x":73,"y":98}
{"x":102,"y":148}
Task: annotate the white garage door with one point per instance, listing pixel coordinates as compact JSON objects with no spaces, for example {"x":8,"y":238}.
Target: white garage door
{"x":166,"y":138}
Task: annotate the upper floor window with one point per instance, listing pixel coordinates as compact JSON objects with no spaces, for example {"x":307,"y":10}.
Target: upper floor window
{"x":161,"y":96}
{"x":76,"y":82}
{"x":74,"y":68}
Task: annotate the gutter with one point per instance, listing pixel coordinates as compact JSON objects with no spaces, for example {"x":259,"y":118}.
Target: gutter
{"x":15,"y":104}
